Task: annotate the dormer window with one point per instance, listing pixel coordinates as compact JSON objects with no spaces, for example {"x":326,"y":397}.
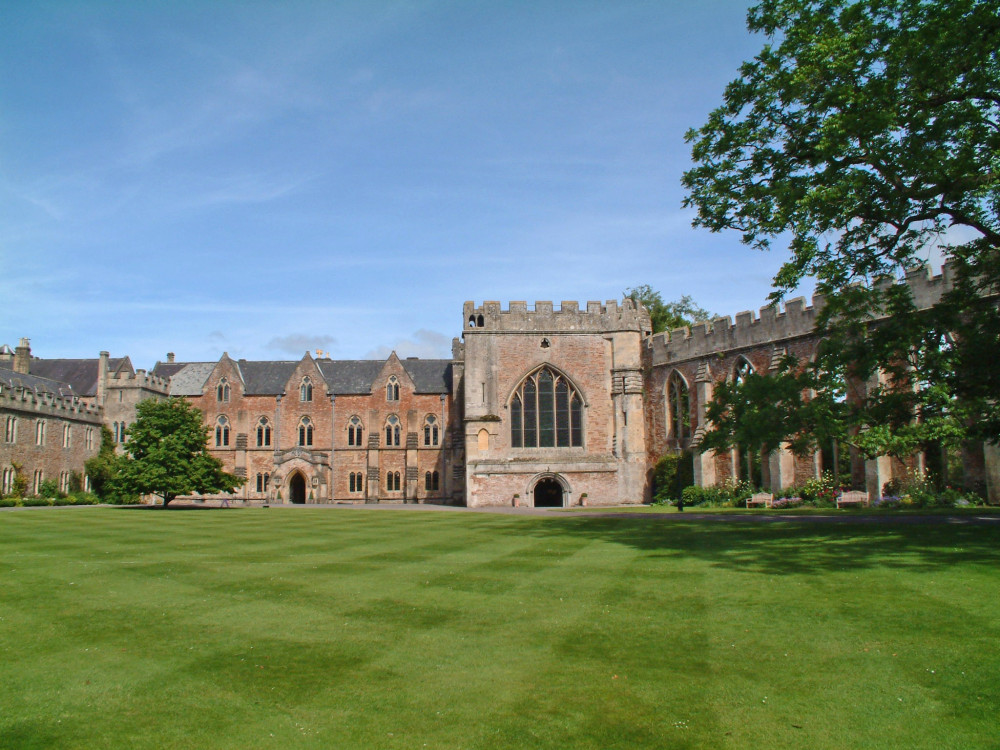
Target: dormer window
{"x":392,"y":389}
{"x":222,"y":391}
{"x":306,"y":390}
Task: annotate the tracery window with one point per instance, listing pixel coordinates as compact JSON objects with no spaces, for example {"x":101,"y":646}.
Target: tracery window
{"x":392,"y":389}
{"x":10,"y":433}
{"x":678,"y":406}
{"x":392,"y":431}
{"x":742,"y":370}
{"x":7,"y":484}
{"x":306,"y":389}
{"x":392,"y":481}
{"x":431,"y":432}
{"x":222,"y":391}
{"x":354,"y":431}
{"x":88,"y":437}
{"x":432,"y":481}
{"x":263,"y":432}
{"x":221,"y":432}
{"x":546,"y":412}
{"x":305,"y":432}
{"x":40,"y":432}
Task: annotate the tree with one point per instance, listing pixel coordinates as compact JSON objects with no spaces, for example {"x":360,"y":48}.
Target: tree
{"x":666,"y":316}
{"x":868,"y":133}
{"x":102,"y":469}
{"x":166,"y":454}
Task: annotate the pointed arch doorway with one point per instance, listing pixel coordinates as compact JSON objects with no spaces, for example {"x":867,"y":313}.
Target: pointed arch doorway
{"x":297,"y":489}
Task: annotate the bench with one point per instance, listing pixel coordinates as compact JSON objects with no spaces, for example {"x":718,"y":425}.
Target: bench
{"x":854,"y":497}
{"x":761,"y":498}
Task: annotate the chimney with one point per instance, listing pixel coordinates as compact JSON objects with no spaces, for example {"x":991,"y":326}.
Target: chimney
{"x":22,"y":357}
{"x":102,"y":378}
{"x":170,"y":356}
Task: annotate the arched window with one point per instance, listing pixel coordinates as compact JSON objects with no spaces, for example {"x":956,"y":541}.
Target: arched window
{"x":742,"y":370}
{"x":40,"y":432}
{"x":431,"y":432}
{"x":392,"y":481}
{"x":432,"y":481}
{"x":222,"y":391}
{"x":354,"y":431}
{"x":221,"y":432}
{"x":546,"y":412}
{"x":263,"y":432}
{"x":10,"y":433}
{"x":392,"y":389}
{"x":121,"y":429}
{"x":392,"y":431}
{"x":357,"y":482}
{"x":305,"y":432}
{"x":66,"y":435}
{"x":479,"y":322}
{"x":678,"y":407}
{"x":263,"y":481}
{"x":306,"y":389}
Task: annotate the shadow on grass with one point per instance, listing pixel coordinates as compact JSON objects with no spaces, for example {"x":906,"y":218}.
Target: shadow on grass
{"x":792,"y":547}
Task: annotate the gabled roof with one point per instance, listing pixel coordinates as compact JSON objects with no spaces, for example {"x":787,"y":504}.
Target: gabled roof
{"x":350,"y":376}
{"x":429,"y":375}
{"x":266,"y":378}
{"x":81,"y":374}
{"x":189,"y":379}
{"x":11,"y":379}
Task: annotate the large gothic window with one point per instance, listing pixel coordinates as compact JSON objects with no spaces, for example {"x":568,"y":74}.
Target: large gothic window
{"x":221,"y":432}
{"x":546,"y":412}
{"x":431,"y":432}
{"x":678,"y":407}
{"x":742,"y":369}
{"x":392,"y":389}
{"x":306,"y":390}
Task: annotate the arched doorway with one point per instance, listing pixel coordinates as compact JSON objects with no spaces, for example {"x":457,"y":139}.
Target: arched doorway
{"x":297,"y":489}
{"x":548,"y":494}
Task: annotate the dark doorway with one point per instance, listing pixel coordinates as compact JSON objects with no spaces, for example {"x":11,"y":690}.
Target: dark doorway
{"x":548,"y":494}
{"x":297,"y":489}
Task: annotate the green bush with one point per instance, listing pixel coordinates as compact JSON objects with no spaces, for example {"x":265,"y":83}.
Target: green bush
{"x":84,"y":498}
{"x":30,"y":502}
{"x":9,"y":502}
{"x":50,"y":488}
{"x":672,"y":473}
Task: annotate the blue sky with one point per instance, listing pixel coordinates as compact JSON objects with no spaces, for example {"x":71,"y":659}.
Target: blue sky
{"x":263,"y":178}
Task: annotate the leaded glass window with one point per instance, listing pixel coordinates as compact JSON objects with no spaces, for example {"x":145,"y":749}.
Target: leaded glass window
{"x":546,"y":412}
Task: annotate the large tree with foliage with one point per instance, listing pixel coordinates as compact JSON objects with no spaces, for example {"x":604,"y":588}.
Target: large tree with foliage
{"x":666,"y":316}
{"x":867,"y":134}
{"x":166,"y":454}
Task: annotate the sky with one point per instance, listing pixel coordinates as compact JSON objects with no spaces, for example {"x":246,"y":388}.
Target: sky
{"x":266,"y":178}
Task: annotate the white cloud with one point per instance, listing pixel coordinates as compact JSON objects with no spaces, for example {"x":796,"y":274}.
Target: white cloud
{"x":423,"y":343}
{"x":296,"y":343}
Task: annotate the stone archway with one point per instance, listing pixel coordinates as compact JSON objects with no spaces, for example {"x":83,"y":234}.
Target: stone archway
{"x":297,"y":489}
{"x":548,"y":493}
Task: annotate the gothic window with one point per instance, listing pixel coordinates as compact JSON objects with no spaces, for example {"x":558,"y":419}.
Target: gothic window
{"x":546,"y":412}
{"x":222,"y":391}
{"x":354,"y":431}
{"x":121,"y":429}
{"x":305,"y":432}
{"x":431,"y":432}
{"x":678,"y":407}
{"x":306,"y":389}
{"x":357,"y":482}
{"x":88,"y":437}
{"x":392,"y":431}
{"x":40,"y":432}
{"x":221,"y":432}
{"x":10,"y":434}
{"x":114,"y":431}
{"x":64,"y":481}
{"x":392,"y":389}
{"x":263,"y":432}
{"x":66,"y":434}
{"x":392,"y":481}
{"x":432,"y":481}
{"x":39,"y":477}
{"x":263,"y":481}
{"x":742,"y":370}
{"x":7,"y":485}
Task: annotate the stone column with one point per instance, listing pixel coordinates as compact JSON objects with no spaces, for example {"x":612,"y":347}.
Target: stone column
{"x":782,"y":467}
{"x":704,"y":462}
{"x":991,"y":456}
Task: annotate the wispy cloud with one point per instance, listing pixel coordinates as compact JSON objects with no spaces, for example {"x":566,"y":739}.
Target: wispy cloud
{"x":422,"y":343}
{"x":296,"y":343}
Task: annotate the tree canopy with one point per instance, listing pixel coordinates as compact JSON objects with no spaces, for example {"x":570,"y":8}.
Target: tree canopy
{"x":166,"y":454}
{"x":665,"y":316}
{"x":867,"y":134}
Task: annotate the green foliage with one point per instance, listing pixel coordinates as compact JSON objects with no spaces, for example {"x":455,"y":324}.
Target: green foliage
{"x":671,"y":474}
{"x":75,"y":482}
{"x":103,"y":469}
{"x":864,"y":131}
{"x":33,"y":502}
{"x":665,"y":316}
{"x":19,"y":487}
{"x":166,"y":454}
{"x":9,"y":501}
{"x":50,"y":488}
{"x":725,"y":495}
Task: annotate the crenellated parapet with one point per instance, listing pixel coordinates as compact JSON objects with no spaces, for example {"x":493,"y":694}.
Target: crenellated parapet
{"x":543,"y":317}
{"x":772,"y":325}
{"x":139,"y":379}
{"x":41,"y":402}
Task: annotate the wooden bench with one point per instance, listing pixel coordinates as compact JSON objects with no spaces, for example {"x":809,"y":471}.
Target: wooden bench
{"x":761,"y":498}
{"x":854,"y":497}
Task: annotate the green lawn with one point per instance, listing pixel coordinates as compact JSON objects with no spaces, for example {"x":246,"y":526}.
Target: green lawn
{"x":278,"y":628}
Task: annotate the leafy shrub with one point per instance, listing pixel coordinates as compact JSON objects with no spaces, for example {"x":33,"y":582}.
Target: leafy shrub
{"x":49,"y":488}
{"x":30,"y":502}
{"x":84,"y":498}
{"x":672,"y":473}
{"x":9,"y":502}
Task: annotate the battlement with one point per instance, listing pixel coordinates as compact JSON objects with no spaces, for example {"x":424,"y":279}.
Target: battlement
{"x":772,"y":325}
{"x":46,"y":403}
{"x":544,"y":318}
{"x":140,"y":379}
